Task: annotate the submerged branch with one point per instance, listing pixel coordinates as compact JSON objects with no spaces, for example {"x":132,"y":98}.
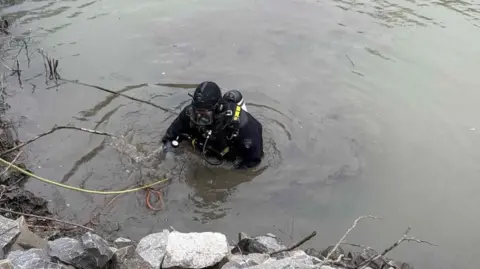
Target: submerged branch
{"x":297,"y":244}
{"x":121,"y":94}
{"x":46,"y":218}
{"x":56,"y":128}
{"x":348,"y":231}
{"x":396,"y":244}
{"x":10,"y":165}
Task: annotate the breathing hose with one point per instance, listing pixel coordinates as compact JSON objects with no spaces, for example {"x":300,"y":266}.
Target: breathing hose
{"x":204,"y":150}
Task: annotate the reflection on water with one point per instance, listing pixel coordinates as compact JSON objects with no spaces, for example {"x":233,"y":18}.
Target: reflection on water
{"x":409,"y":12}
{"x":212,"y":188}
{"x":111,"y":97}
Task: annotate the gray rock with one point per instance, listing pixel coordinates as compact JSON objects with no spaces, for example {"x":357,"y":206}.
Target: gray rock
{"x":399,"y":265}
{"x":15,"y":254}
{"x":297,"y":254}
{"x":15,"y":247}
{"x":28,"y":239}
{"x":68,"y":250}
{"x":122,"y":242}
{"x":128,"y":258}
{"x":287,"y":263}
{"x":97,"y":248}
{"x":6,"y":264}
{"x":195,"y":250}
{"x":264,"y":244}
{"x":245,"y":261}
{"x":286,"y":254}
{"x":33,"y":258}
{"x":314,"y":253}
{"x":152,"y":248}
{"x":366,"y":255}
{"x":8,"y":234}
{"x":91,"y":252}
{"x":242,"y":235}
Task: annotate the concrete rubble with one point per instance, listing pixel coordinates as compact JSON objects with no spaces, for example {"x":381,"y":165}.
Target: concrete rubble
{"x":22,"y":249}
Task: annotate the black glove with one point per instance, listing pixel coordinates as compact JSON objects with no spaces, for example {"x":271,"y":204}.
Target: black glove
{"x":165,"y":139}
{"x":244,"y":165}
{"x":239,"y":165}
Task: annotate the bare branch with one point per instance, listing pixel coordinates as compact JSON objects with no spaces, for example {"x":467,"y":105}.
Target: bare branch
{"x":364,"y":248}
{"x":44,"y":56}
{"x":348,"y":57}
{"x":8,"y":67}
{"x":3,"y":190}
{"x":348,"y":231}
{"x":12,"y":162}
{"x":297,"y":244}
{"x":26,"y":51}
{"x":121,"y":94}
{"x":47,"y":218}
{"x":56,"y":128}
{"x":396,"y":244}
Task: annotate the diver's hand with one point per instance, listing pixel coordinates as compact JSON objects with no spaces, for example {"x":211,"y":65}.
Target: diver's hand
{"x":167,"y":146}
{"x":244,"y":165}
{"x":239,"y":165}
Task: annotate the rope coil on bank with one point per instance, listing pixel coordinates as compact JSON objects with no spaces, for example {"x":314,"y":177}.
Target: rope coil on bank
{"x":48,"y":181}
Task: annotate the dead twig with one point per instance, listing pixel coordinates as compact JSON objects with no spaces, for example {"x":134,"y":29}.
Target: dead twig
{"x":396,"y":244}
{"x":3,"y":190}
{"x":26,"y":52}
{"x":364,"y":248}
{"x":50,"y":71}
{"x":56,"y":128}
{"x":18,"y":72}
{"x":12,"y":162}
{"x":46,"y":218}
{"x":297,"y":244}
{"x":348,"y":57}
{"x":8,"y":67}
{"x":33,"y":87}
{"x":42,"y":52}
{"x":48,"y":227}
{"x":348,"y":231}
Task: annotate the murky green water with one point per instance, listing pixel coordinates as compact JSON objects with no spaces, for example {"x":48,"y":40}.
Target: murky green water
{"x":369,"y":107}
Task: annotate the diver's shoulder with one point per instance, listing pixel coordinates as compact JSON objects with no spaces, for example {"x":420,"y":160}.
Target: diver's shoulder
{"x":249,"y":120}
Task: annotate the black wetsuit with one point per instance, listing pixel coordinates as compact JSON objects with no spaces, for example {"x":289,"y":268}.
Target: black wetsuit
{"x":247,"y":145}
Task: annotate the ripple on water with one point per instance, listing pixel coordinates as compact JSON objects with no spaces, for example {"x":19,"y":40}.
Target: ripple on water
{"x":409,"y":12}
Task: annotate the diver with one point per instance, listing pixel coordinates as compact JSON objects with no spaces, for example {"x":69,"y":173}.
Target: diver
{"x":218,"y":126}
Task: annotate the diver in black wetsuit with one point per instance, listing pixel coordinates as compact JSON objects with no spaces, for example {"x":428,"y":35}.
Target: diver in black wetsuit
{"x":219,"y":126}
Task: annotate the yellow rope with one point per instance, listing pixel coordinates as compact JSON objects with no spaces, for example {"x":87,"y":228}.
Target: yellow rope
{"x":77,"y":188}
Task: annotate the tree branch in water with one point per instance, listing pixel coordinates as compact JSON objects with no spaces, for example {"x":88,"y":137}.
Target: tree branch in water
{"x":297,"y":244}
{"x":396,"y":244}
{"x":56,"y":128}
{"x":121,"y":94}
{"x":47,"y":218}
{"x":348,"y":231}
